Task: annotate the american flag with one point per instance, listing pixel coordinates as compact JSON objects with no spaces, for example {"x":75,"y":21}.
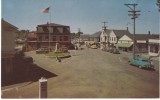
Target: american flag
{"x":46,"y":10}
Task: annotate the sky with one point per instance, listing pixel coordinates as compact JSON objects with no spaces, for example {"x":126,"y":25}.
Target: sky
{"x":87,"y":15}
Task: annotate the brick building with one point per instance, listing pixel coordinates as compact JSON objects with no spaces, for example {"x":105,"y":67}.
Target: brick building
{"x":47,"y":35}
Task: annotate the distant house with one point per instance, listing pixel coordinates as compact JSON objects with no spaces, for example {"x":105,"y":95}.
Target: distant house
{"x":154,"y":47}
{"x":49,"y":34}
{"x":104,"y":38}
{"x":110,"y":37}
{"x":115,"y":35}
{"x":126,"y":42}
{"x":95,"y":37}
{"x":8,"y":51}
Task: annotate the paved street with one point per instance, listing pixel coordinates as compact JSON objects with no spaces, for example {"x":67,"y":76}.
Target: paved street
{"x":90,"y":73}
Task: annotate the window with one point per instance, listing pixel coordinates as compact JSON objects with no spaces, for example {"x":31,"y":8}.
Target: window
{"x":46,"y":37}
{"x":114,"y":38}
{"x":65,"y":38}
{"x":40,"y":38}
{"x":61,"y":38}
{"x":54,"y":38}
{"x":105,"y":38}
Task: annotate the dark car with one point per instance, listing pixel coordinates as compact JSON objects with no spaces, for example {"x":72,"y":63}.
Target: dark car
{"x":111,"y":50}
{"x":115,"y":51}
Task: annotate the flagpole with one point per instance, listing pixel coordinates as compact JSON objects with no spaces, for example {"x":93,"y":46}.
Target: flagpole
{"x":49,"y":30}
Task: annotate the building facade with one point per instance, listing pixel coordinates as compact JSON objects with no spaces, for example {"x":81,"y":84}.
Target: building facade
{"x":49,"y":34}
{"x":104,"y":38}
{"x":154,"y":47}
{"x":110,"y":37}
{"x":126,"y":42}
{"x":8,"y":49}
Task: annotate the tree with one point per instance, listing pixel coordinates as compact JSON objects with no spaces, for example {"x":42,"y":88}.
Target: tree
{"x":21,"y":34}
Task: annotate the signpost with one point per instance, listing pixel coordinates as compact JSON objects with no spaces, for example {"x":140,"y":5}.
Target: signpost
{"x":43,"y":88}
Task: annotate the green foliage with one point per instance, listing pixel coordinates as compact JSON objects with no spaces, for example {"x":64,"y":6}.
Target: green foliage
{"x":21,"y":34}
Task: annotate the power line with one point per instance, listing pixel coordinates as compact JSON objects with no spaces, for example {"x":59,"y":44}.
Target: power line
{"x":158,"y":4}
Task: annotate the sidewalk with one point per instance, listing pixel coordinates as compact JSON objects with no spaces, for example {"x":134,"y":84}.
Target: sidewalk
{"x":141,"y":54}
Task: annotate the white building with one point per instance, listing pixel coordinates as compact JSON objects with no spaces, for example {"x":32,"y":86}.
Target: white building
{"x":126,"y":42}
{"x":110,"y":37}
{"x":104,"y":38}
{"x":154,"y":47}
{"x":115,"y":35}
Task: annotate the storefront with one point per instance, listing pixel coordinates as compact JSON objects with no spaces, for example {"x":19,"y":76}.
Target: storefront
{"x":154,"y":47}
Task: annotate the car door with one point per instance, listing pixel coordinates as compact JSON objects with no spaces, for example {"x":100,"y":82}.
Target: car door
{"x":136,"y":61}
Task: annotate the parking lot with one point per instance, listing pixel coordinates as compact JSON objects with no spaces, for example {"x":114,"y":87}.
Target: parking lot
{"x":90,"y":73}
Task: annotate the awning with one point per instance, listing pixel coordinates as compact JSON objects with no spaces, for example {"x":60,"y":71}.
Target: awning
{"x":125,"y":45}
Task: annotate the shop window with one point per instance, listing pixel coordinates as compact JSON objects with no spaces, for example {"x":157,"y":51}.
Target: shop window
{"x":46,"y":37}
{"x":54,"y":38}
{"x":61,"y":38}
{"x":40,"y":38}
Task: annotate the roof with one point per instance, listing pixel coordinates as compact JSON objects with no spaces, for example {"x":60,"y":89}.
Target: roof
{"x":97,"y":34}
{"x":52,"y":24}
{"x":142,"y":36}
{"x":107,"y":31}
{"x":7,"y":25}
{"x":120,"y":33}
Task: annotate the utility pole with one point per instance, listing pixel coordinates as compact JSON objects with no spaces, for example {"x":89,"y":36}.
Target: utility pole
{"x":134,"y":15}
{"x":104,"y":25}
{"x":104,"y":28}
{"x":158,"y":4}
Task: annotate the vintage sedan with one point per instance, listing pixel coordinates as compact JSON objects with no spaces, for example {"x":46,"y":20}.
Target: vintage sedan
{"x":94,"y":47}
{"x":115,"y":51}
{"x":141,"y":62}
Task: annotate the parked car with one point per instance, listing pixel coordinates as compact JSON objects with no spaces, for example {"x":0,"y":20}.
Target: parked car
{"x":42,"y":50}
{"x":111,"y":50}
{"x":141,"y":62}
{"x":94,"y":47}
{"x":107,"y":49}
{"x":116,"y":51}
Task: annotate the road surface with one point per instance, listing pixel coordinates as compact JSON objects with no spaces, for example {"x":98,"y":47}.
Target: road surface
{"x":91,"y":73}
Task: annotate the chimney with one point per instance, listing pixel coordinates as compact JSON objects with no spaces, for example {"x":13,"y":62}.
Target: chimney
{"x":127,"y":28}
